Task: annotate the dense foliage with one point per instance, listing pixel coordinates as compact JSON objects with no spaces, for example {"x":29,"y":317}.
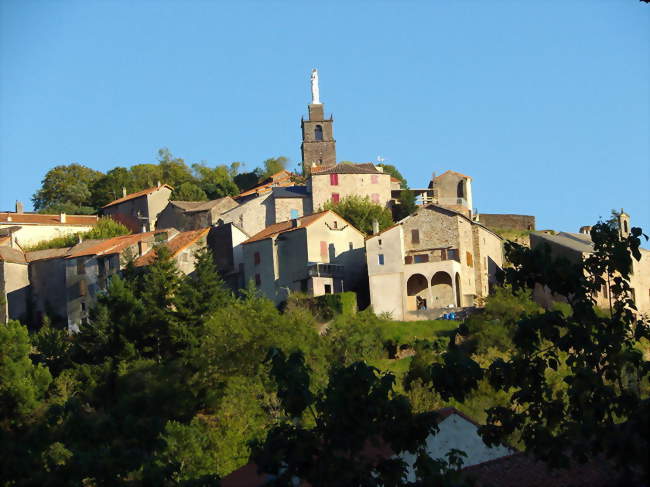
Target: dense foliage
{"x":77,"y":189}
{"x":361,"y":212}
{"x":176,"y":381}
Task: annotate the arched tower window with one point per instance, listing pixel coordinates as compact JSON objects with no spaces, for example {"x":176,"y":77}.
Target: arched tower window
{"x":460,"y":189}
{"x":318,"y":132}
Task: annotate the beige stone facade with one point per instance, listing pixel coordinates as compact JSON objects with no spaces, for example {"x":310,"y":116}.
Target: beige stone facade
{"x":433,"y":260}
{"x":318,"y":254}
{"x":192,"y":215}
{"x":344,"y":180}
{"x":28,"y":229}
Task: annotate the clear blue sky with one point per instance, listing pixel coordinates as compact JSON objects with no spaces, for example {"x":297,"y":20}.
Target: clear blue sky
{"x":544,"y":103}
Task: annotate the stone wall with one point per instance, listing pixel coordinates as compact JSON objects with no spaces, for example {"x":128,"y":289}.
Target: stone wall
{"x":283,"y":207}
{"x":507,"y":222}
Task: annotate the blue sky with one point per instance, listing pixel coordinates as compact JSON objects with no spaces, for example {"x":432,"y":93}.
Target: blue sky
{"x":545,"y":104}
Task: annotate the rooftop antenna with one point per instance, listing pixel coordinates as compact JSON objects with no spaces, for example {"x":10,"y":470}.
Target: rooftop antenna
{"x":380,"y":159}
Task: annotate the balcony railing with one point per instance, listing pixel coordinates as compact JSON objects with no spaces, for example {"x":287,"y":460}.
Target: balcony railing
{"x":437,"y":255}
{"x":318,"y":269}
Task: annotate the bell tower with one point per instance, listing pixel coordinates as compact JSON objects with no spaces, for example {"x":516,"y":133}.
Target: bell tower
{"x":318,"y":145}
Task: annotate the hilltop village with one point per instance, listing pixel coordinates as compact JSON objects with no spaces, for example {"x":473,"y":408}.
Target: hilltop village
{"x":442,"y":257}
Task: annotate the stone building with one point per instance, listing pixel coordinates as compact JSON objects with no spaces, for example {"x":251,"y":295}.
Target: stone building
{"x":332,"y":184}
{"x":576,"y":246}
{"x":192,"y":215}
{"x":14,"y":284}
{"x":28,"y":229}
{"x":316,"y":254}
{"x":451,"y":190}
{"x":318,"y":145}
{"x":139,"y":211}
{"x":226,"y":241}
{"x":430,"y":261}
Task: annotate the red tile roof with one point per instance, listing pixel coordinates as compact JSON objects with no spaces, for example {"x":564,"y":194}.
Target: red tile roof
{"x":346,"y":168}
{"x":41,"y":219}
{"x":113,"y":245}
{"x":286,"y":226}
{"x":262,"y":188}
{"x":131,"y":196}
{"x":454,"y":173}
{"x":176,"y":245}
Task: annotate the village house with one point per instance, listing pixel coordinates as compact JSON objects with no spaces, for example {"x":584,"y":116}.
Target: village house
{"x":28,"y":229}
{"x":577,"y":246}
{"x":332,"y":184}
{"x":192,"y":215}
{"x":14,"y":282}
{"x":316,"y":254}
{"x":226,"y":241}
{"x":139,"y":211}
{"x":430,"y":261}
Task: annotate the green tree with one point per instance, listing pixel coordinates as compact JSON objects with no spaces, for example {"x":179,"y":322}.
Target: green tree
{"x":596,"y":357}
{"x":394,"y":172}
{"x":199,"y":295}
{"x":22,"y":384}
{"x":406,"y":206}
{"x":247,"y":180}
{"x":216,"y":182}
{"x":189,"y":192}
{"x":361,"y":213}
{"x":146,"y":176}
{"x":66,"y":188}
{"x":110,"y":186}
{"x":274,"y":165}
{"x":174,"y":170}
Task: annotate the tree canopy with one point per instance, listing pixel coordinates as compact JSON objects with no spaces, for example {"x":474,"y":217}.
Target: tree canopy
{"x":361,"y":212}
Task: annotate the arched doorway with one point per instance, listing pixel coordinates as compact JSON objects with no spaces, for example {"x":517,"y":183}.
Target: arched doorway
{"x":417,"y":293}
{"x":441,"y":290}
{"x":458,"y":290}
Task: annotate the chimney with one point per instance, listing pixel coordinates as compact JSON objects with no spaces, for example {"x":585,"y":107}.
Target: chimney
{"x":375,"y":227}
{"x":20,"y":208}
{"x":10,"y":218}
{"x":123,"y":191}
{"x":379,"y":168}
{"x":295,"y":222}
{"x":159,"y":184}
{"x":62,"y":218}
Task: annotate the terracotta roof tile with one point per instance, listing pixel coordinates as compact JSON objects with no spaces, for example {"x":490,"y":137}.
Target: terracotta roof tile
{"x":191,"y":206}
{"x":347,"y":168}
{"x":41,"y":219}
{"x":14,"y":256}
{"x":113,"y":245}
{"x":263,"y":188}
{"x":176,"y":245}
{"x":47,"y":254}
{"x":131,"y":196}
{"x":286,"y":226}
{"x":454,"y":173}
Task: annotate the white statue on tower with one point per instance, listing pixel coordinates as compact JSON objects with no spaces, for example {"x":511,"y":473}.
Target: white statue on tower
{"x":315,"y":94}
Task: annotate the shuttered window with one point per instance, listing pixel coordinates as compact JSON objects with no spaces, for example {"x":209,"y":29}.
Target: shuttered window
{"x":323,"y":249}
{"x":415,"y":236}
{"x":335,"y":197}
{"x":334,"y":179}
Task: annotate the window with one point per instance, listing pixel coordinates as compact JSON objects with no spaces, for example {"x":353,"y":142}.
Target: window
{"x":323,"y":249}
{"x":421,"y":258}
{"x":328,"y":289}
{"x":351,"y":245}
{"x":408,"y":259}
{"x":470,"y":259}
{"x":380,"y":242}
{"x":334,"y":179}
{"x":452,"y":254}
{"x":294,"y":214}
{"x":258,"y":280}
{"x":335,"y":198}
{"x":83,"y":307}
{"x":375,"y":198}
{"x":374,"y":179}
{"x":335,"y":224}
{"x":256,"y":258}
{"x":83,"y":287}
{"x":81,"y":266}
{"x":460,"y":190}
{"x":318,"y":132}
{"x":415,"y":236}
{"x":380,"y":259}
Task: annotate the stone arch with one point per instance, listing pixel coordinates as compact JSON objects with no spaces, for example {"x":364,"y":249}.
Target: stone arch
{"x":442,"y":291}
{"x":318,"y":132}
{"x":460,"y":189}
{"x":417,"y":291}
{"x":458,"y":290}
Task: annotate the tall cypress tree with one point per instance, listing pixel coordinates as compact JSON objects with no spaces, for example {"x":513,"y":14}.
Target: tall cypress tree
{"x":199,"y":295}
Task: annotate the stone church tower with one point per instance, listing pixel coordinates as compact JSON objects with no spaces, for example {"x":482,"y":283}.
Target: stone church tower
{"x":318,"y":144}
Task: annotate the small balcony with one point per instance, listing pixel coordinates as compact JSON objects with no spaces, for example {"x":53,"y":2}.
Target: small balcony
{"x":318,"y":269}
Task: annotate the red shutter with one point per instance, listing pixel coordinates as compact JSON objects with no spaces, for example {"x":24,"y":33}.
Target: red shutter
{"x":374,"y":179}
{"x":334,"y":179}
{"x":323,"y":249}
{"x":375,"y":198}
{"x":335,"y":197}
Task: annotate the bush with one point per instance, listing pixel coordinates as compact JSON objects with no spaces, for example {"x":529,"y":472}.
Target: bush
{"x":325,"y":307}
{"x":361,"y":212}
